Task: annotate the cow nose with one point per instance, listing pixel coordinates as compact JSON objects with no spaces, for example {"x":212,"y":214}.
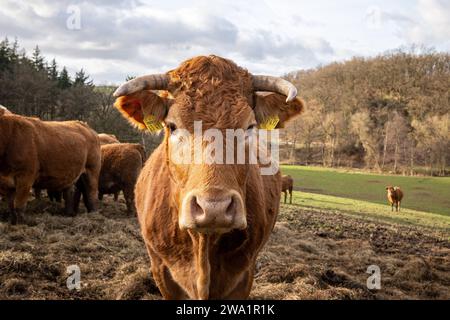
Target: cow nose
{"x":219,"y":213}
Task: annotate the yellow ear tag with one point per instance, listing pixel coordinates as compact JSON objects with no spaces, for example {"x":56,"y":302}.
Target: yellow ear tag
{"x":152,"y":124}
{"x":270,"y":123}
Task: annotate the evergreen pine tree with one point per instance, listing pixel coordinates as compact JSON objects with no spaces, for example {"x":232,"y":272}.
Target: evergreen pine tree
{"x":81,"y":79}
{"x":53,"y":71}
{"x":64,"y":80}
{"x":38,"y":59}
{"x":4,"y":54}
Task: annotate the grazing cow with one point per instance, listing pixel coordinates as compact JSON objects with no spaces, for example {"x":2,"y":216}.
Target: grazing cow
{"x":121,"y":165}
{"x":205,"y":223}
{"x":395,"y":196}
{"x":48,"y":155}
{"x":287,"y":184}
{"x":107,"y":138}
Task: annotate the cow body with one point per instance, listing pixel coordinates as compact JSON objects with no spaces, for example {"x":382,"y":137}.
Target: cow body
{"x":395,"y":196}
{"x":287,"y":185}
{"x":107,"y":138}
{"x":48,"y":155}
{"x":205,"y":223}
{"x":121,"y":165}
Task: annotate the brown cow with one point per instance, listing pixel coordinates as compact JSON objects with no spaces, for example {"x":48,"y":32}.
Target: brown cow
{"x":287,"y":184}
{"x":48,"y":155}
{"x":204,"y":224}
{"x":395,"y":196}
{"x":121,"y":165}
{"x":107,"y":138}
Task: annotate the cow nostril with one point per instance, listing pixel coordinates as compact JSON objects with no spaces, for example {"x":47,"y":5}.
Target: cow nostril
{"x":196,"y":209}
{"x":231,"y":209}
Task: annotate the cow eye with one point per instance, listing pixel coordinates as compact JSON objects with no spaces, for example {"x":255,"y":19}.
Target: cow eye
{"x":251,"y":127}
{"x":171,"y":126}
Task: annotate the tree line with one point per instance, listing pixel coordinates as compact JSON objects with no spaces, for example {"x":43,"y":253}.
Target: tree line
{"x":389,"y":113}
{"x":33,"y":86}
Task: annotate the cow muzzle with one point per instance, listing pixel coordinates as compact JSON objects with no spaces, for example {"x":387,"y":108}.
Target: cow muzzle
{"x":206,"y":212}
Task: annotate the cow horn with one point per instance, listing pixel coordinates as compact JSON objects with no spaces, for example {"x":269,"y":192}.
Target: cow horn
{"x":274,"y":84}
{"x":148,"y":82}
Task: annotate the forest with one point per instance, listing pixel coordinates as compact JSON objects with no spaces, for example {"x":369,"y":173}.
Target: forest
{"x":388,"y":113}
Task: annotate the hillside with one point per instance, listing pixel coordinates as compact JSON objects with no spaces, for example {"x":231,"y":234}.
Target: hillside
{"x":388,"y":113}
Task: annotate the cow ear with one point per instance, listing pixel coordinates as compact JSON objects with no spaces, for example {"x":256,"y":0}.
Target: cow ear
{"x":272,"y":111}
{"x":144,"y":109}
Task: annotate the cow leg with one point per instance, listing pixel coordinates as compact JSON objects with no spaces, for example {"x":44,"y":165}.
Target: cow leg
{"x":76,"y":200}
{"x":58,"y":196}
{"x":91,"y":189}
{"x":55,"y":196}
{"x":169,"y":289}
{"x":69,"y":200}
{"x":23,"y":187}
{"x":129,"y":199}
{"x":392,"y":207}
{"x":116,"y":196}
{"x":242,"y":290}
{"x":100,"y":196}
{"x":82,"y":190}
{"x":10,"y":200}
{"x":399,"y":205}
{"x":290,"y":196}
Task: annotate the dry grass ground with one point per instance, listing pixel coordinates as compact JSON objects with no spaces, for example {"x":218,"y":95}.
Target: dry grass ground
{"x":312,"y":254}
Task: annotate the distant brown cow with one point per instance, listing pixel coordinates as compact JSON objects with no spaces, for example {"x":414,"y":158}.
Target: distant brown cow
{"x":204,"y":224}
{"x":48,"y":155}
{"x":395,"y":196}
{"x":287,"y":184}
{"x":121,"y":165}
{"x":107,"y":138}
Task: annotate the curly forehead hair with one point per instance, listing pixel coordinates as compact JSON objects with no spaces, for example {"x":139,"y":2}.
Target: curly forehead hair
{"x":195,"y":73}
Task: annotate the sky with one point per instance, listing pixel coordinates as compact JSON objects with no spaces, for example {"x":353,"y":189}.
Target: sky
{"x":113,"y":39}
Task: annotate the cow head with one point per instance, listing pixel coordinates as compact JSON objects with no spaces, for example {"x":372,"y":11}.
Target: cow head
{"x":390,"y":190}
{"x":219,"y":95}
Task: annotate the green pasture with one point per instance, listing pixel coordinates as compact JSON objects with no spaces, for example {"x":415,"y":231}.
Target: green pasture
{"x":425,"y":194}
{"x":369,"y":210}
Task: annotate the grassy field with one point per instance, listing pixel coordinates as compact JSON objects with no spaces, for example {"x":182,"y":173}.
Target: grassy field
{"x":370,"y":211}
{"x":426,"y":194}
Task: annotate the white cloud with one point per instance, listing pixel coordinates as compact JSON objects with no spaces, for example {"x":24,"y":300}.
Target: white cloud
{"x":127,"y":37}
{"x":434,"y":22}
{"x":428,"y":25}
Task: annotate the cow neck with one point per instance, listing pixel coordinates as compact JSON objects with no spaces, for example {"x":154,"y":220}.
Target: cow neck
{"x":203,"y":267}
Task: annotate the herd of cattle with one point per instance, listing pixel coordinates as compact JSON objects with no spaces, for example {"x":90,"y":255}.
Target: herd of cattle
{"x":203,"y":224}
{"x":68,"y":159}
